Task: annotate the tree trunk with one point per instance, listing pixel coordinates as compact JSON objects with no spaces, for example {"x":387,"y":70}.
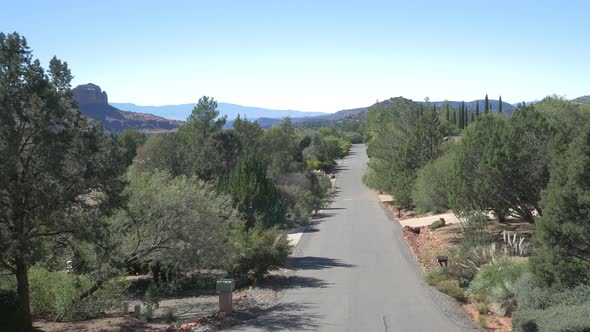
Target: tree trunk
{"x":22,"y":277}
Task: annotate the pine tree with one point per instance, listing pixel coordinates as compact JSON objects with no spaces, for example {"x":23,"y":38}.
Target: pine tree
{"x":486,"y":105}
{"x":500,"y":105}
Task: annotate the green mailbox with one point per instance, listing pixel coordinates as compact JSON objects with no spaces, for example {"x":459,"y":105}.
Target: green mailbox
{"x":225,"y":285}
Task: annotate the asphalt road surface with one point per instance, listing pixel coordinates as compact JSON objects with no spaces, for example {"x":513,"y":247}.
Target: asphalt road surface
{"x":354,"y":272}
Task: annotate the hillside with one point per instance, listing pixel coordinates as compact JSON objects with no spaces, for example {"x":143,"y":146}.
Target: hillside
{"x":581,"y":100}
{"x":359,"y":114}
{"x":93,"y":103}
{"x":182,"y":111}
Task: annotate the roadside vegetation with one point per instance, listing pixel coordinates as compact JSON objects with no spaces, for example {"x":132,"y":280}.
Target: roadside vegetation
{"x":134,"y":215}
{"x":496,"y":171}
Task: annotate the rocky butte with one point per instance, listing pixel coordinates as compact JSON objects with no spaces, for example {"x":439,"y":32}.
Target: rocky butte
{"x":94,"y":104}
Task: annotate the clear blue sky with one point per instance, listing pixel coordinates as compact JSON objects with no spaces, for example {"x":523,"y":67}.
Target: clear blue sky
{"x":312,"y":55}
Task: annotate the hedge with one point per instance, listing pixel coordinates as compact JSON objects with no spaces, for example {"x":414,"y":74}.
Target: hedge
{"x":560,"y":318}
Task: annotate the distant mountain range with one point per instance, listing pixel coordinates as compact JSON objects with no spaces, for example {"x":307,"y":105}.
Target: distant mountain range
{"x":117,"y":117}
{"x":581,"y":100}
{"x":182,"y":111}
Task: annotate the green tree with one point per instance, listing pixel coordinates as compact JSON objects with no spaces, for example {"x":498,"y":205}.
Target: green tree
{"x":254,"y":193}
{"x":280,"y":148}
{"x":432,"y":182}
{"x":54,"y":163}
{"x":501,"y":169}
{"x":462,"y":116}
{"x":180,"y":221}
{"x":131,"y":140}
{"x":423,"y":146}
{"x":198,"y":141}
{"x":447,"y":113}
{"x":249,"y":133}
{"x":388,"y":126}
{"x":477,"y":109}
{"x":562,"y":233}
{"x":486,"y":105}
{"x":500,"y":105}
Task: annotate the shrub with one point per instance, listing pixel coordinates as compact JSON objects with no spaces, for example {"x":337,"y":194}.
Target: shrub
{"x":52,"y":293}
{"x":465,"y":263}
{"x":483,"y":308}
{"x":299,"y":204}
{"x":260,"y":251}
{"x":152,"y":295}
{"x":55,"y":295}
{"x":497,"y":274}
{"x":530,"y":296}
{"x":434,"y":277}
{"x":561,"y":318}
{"x":441,"y":279}
{"x":432,"y":184}
{"x":451,"y":287}
{"x":435,"y":225}
{"x":475,"y":234}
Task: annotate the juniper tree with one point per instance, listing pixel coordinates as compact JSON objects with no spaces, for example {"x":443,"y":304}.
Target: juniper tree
{"x":54,"y":162}
{"x":562,"y":233}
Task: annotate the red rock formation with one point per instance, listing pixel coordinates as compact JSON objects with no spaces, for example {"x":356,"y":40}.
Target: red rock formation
{"x":94,"y":104}
{"x":90,"y":94}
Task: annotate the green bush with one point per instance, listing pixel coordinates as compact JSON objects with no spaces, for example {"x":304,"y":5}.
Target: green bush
{"x":260,"y":251}
{"x":475,"y":233}
{"x":433,"y":277}
{"x":435,"y":225}
{"x":52,"y":293}
{"x":531,"y":296}
{"x":432,"y":185}
{"x":465,"y":263}
{"x":55,"y":295}
{"x":441,"y":279}
{"x":451,"y":287}
{"x":561,"y":318}
{"x":497,"y":274}
{"x":152,"y":295}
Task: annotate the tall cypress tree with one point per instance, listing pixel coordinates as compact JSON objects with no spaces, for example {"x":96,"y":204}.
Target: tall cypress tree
{"x":447,"y":113}
{"x":486,"y":105}
{"x":455,"y":117}
{"x":462,"y":113}
{"x":500,"y":105}
{"x":472,"y":116}
{"x":477,"y":108}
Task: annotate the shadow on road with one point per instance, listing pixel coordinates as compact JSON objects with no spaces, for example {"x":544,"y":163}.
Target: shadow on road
{"x":315,"y":263}
{"x":280,"y":317}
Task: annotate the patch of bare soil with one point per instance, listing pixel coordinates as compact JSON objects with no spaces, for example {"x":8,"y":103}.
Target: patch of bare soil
{"x":111,"y":324}
{"x":403,"y":214}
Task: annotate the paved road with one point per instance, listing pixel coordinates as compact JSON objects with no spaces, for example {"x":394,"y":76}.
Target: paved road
{"x":354,"y":272}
